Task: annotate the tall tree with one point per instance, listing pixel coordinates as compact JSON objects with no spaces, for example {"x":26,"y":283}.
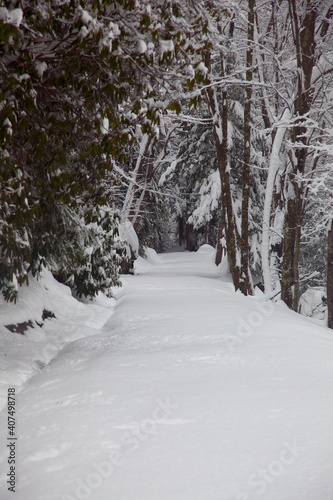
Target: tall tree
{"x":294,"y":70}
{"x":245,"y":280}
{"x":219,"y":112}
{"x":329,"y":283}
{"x":304,"y":38}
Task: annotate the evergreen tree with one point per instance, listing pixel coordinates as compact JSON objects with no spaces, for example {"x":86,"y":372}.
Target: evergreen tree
{"x":77,"y":79}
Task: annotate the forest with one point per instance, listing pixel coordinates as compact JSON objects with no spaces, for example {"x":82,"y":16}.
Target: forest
{"x":153,"y":123}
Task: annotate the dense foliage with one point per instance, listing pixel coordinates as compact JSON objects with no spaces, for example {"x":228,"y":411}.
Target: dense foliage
{"x":79,"y":84}
{"x":207,"y":119}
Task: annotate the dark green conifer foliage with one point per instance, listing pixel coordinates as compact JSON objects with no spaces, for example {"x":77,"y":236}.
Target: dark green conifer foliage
{"x":76,"y":80}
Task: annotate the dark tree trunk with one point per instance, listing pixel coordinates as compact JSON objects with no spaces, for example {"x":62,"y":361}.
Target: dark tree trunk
{"x":181,"y":232}
{"x":220,"y":120}
{"x":245,"y":283}
{"x":190,"y":238}
{"x":227,"y":205}
{"x":219,"y":248}
{"x":330,"y":279}
{"x":208,"y":233}
{"x":290,"y":278}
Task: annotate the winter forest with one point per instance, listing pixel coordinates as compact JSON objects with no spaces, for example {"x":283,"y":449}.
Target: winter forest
{"x":129,"y":129}
{"x":198,"y":122}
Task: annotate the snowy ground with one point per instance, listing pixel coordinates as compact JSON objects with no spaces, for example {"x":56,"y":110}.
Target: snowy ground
{"x":180,"y":389}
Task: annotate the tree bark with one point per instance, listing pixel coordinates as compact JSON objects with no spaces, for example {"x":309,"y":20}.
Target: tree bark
{"x":290,"y":261}
{"x":219,"y":247}
{"x":129,"y":206}
{"x":245,"y":282}
{"x":330,"y":279}
{"x":304,"y":38}
{"x":190,"y":238}
{"x":220,"y":124}
{"x":274,"y":165}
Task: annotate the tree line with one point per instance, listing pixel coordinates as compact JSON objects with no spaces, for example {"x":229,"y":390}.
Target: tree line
{"x":213,"y":116}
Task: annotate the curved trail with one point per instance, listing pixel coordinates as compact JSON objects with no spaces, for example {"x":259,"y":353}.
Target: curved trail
{"x":188,"y":392}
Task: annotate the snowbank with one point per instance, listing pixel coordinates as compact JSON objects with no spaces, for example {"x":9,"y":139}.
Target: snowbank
{"x":208,"y":251}
{"x":144,"y":264}
{"x":313,"y":303}
{"x":50,"y":318}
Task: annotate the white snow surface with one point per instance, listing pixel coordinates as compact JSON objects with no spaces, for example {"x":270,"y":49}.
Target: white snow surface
{"x":181,"y":389}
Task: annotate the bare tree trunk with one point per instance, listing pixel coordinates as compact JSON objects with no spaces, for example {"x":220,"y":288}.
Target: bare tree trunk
{"x":220,"y":123}
{"x":219,"y":247}
{"x":208,"y":233}
{"x":128,"y":210}
{"x":245,"y":282}
{"x":230,"y":228}
{"x":190,"y":238}
{"x":330,"y":279}
{"x":290,"y":259}
{"x":274,"y":165}
{"x":304,"y":38}
{"x":181,"y":230}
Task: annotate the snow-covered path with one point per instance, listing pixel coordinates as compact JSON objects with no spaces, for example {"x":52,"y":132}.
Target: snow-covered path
{"x":188,"y":392}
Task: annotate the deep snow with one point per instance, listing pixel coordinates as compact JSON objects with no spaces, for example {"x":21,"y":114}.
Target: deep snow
{"x":181,"y":389}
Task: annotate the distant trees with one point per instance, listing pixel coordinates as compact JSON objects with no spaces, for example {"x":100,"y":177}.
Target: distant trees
{"x":268,"y":71}
{"x":301,"y":81}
